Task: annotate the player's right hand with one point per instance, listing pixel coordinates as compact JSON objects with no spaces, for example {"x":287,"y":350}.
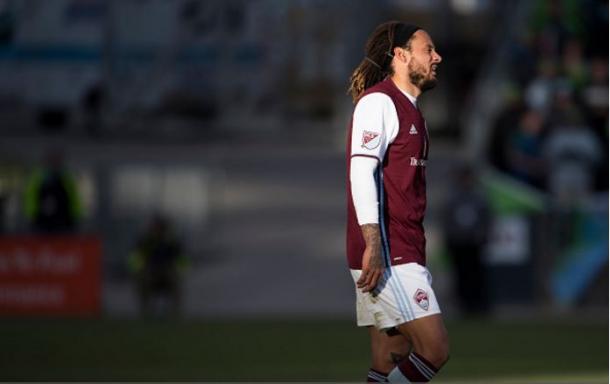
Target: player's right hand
{"x":372,"y":269}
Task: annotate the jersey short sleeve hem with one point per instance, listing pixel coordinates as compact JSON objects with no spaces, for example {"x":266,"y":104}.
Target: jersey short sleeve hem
{"x":375,"y":126}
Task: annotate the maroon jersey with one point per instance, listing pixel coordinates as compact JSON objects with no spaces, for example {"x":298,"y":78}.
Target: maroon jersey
{"x":401,"y":188}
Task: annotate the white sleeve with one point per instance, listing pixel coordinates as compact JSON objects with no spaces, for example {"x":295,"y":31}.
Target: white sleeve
{"x":374,"y":127}
{"x":364,"y":189}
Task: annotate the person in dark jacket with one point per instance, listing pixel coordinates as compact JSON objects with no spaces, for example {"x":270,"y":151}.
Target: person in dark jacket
{"x":157,"y":263}
{"x":52,"y":202}
{"x":466,"y":227}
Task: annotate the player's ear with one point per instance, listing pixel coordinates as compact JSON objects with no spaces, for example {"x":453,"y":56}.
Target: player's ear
{"x":401,"y":54}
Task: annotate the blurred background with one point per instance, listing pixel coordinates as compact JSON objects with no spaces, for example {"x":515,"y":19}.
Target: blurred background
{"x":172,"y":188}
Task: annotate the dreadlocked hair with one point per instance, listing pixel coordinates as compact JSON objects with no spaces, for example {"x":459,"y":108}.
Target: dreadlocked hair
{"x":377,"y":61}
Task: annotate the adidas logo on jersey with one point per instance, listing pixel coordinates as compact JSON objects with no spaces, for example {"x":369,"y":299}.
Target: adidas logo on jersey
{"x":413,"y":131}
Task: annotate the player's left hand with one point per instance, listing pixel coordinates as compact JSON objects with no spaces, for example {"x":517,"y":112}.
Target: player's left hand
{"x":372,"y":269}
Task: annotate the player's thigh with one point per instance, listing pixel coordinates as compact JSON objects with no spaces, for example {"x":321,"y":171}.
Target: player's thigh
{"x":428,"y":336}
{"x":387,"y":348}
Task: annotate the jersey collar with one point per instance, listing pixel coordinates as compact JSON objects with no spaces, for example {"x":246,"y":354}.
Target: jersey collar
{"x":411,"y":98}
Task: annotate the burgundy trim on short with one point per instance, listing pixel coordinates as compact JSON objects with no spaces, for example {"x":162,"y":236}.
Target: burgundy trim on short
{"x":371,"y":156}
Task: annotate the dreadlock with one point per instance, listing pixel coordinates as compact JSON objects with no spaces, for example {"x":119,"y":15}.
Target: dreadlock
{"x":378,"y":54}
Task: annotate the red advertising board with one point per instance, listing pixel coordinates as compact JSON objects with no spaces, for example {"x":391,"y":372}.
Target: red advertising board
{"x":54,"y":275}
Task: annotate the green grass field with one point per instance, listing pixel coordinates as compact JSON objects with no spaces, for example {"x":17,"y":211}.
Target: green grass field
{"x":124,"y":350}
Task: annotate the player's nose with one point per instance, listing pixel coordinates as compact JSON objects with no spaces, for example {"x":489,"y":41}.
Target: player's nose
{"x":437,"y":58}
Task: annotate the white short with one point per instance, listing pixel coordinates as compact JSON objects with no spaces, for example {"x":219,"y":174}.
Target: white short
{"x":404,"y":293}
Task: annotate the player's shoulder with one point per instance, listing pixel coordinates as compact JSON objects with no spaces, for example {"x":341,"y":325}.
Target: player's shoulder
{"x":374,"y":101}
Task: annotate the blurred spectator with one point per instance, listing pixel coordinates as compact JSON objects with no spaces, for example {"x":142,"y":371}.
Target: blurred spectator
{"x":505,"y":122}
{"x":524,"y":157}
{"x":539,"y":92}
{"x":157,"y":263}
{"x":52,"y":201}
{"x":573,"y":63}
{"x":574,"y":152}
{"x":466,"y":226}
{"x":564,"y":109}
{"x":567,"y":96}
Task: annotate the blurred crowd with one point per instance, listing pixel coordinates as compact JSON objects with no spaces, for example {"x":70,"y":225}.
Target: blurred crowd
{"x":53,"y":206}
{"x":552,"y":132}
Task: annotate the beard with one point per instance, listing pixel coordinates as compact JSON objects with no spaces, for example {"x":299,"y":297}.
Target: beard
{"x":417,"y":75}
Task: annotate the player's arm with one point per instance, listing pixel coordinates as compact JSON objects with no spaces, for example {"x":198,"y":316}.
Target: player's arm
{"x":372,"y":261}
{"x":374,"y":127}
{"x":366,"y":204}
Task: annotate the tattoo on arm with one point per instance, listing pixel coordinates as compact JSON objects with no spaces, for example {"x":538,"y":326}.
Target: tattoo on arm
{"x":371,"y":234}
{"x":372,"y":238}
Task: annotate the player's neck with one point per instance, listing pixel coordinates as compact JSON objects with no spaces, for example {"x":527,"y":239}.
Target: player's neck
{"x":405,"y":85}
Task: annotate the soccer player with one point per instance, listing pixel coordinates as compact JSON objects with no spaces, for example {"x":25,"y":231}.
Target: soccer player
{"x":387,"y":151}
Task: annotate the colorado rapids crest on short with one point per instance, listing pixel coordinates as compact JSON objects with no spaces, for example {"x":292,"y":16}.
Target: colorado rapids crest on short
{"x":421,"y":298}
